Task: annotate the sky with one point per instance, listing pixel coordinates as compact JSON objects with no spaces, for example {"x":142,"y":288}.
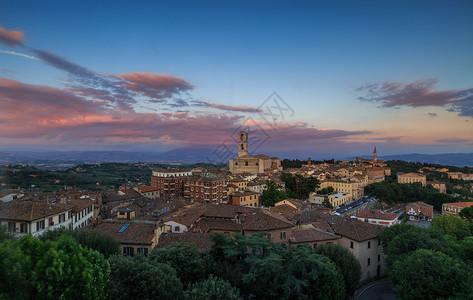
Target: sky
{"x":305,"y":78}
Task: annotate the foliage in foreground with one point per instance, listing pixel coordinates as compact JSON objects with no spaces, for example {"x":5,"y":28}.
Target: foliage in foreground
{"x":31,"y":268}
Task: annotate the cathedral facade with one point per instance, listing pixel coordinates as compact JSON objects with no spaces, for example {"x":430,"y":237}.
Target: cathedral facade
{"x":246,"y":163}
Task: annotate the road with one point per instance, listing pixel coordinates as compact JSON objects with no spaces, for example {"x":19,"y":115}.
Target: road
{"x":378,"y":290}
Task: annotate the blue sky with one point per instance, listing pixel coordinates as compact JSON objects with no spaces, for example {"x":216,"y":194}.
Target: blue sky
{"x":320,"y":57}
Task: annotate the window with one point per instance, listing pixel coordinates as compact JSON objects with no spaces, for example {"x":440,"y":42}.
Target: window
{"x":351,"y":244}
{"x":39,"y":225}
{"x":379,"y":242}
{"x":369,"y":245}
{"x":143,"y":250}
{"x":128,"y":251}
{"x":23,"y":228}
{"x":51,"y":222}
{"x":369,"y":261}
{"x":177,"y":228}
{"x":283,"y":235}
{"x":379,"y":257}
{"x":62,"y":218}
{"x":11,"y":226}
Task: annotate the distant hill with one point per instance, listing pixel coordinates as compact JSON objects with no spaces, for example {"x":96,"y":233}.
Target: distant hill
{"x":449,"y":159}
{"x":57,"y":160}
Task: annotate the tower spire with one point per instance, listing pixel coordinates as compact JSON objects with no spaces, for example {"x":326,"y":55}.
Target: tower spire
{"x":375,"y":155}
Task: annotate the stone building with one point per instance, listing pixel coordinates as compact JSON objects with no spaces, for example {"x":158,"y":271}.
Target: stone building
{"x":246,"y":163}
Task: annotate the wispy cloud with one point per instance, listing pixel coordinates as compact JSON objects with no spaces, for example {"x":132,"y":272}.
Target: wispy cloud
{"x":19,"y":54}
{"x":11,"y":38}
{"x":228,"y":107}
{"x":416,"y":94}
{"x":453,"y":141}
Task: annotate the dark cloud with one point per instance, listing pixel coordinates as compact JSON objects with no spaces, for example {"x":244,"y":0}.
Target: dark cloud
{"x":389,"y":139}
{"x":11,"y":38}
{"x":228,"y":107}
{"x":419,"y":93}
{"x":464,"y":106}
{"x":432,"y":114}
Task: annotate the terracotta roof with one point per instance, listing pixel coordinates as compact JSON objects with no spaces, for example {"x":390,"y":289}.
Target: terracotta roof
{"x":146,"y":188}
{"x":134,"y":233}
{"x":207,"y":225}
{"x":81,"y":204}
{"x":460,"y":204}
{"x":310,"y":235}
{"x":355,"y":229}
{"x":244,"y":193}
{"x":376,"y":214}
{"x":419,"y":204}
{"x":187,"y":216}
{"x":31,"y":210}
{"x":202,"y":241}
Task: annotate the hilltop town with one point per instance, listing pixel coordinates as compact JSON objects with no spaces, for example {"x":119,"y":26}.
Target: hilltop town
{"x":337,"y":202}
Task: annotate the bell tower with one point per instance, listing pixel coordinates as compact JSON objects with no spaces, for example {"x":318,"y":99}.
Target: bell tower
{"x":375,"y":155}
{"x":242,"y":143}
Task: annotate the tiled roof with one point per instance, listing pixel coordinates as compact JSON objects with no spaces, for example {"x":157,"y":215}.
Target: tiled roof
{"x":310,"y":235}
{"x":218,"y":224}
{"x":31,"y":210}
{"x":376,"y":214}
{"x":355,"y":229}
{"x":460,"y":204}
{"x":419,"y":204}
{"x":146,"y":188}
{"x":201,"y":240}
{"x":134,"y":233}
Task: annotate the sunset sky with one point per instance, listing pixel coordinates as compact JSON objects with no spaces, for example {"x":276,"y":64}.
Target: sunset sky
{"x":311,"y":78}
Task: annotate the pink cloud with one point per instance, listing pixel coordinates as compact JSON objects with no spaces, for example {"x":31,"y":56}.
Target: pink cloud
{"x":53,"y":115}
{"x":155,"y":85}
{"x":11,"y":38}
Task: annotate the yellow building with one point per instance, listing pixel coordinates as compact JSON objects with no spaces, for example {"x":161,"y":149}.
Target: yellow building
{"x":439,"y":186}
{"x":245,"y":198}
{"x":411,"y":178}
{"x":351,"y":188}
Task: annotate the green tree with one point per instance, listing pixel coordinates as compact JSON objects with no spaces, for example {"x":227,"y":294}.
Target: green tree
{"x":467,"y":213}
{"x":428,"y":274}
{"x":348,"y":264}
{"x":5,"y":234}
{"x":46,"y":270}
{"x":300,"y":185}
{"x":212,"y":288}
{"x":184,"y":258}
{"x":451,"y":225}
{"x":312,"y":276}
{"x":93,"y":239}
{"x":415,"y":238}
{"x":272,"y":193}
{"x":141,"y":278}
{"x":327,"y":203}
{"x":465,"y":250}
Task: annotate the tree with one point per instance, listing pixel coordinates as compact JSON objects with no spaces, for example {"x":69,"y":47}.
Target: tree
{"x":272,"y":193}
{"x":465,"y":250}
{"x":183,"y":257}
{"x":467,"y":213}
{"x":312,"y":276}
{"x":428,"y":274}
{"x":348,"y":264}
{"x":93,"y":239}
{"x":141,"y":278}
{"x":300,"y":185}
{"x":5,"y":234}
{"x":415,"y":238}
{"x":451,"y":225}
{"x":212,"y":288}
{"x":327,"y":203}
{"x":46,"y":270}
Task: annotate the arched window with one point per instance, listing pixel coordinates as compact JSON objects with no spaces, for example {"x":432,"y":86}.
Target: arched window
{"x":246,"y":163}
{"x":242,"y":147}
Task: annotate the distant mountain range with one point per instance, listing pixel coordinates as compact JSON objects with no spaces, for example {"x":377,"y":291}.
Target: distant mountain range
{"x":66,"y":159}
{"x":449,"y":159}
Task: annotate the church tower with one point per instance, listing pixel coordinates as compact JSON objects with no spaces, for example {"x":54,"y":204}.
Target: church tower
{"x":242,"y":143}
{"x":375,"y":155}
